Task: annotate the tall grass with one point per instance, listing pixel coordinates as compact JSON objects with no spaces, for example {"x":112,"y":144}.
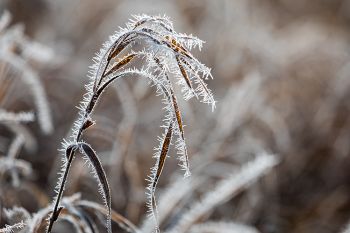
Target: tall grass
{"x":165,"y":52}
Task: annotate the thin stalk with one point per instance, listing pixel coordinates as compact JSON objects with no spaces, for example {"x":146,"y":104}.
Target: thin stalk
{"x":56,"y":211}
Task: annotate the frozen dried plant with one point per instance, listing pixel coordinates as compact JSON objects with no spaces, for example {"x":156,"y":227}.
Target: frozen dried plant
{"x":123,"y":222}
{"x":20,"y":130}
{"x":17,"y":213}
{"x":17,"y":217}
{"x":79,"y":213}
{"x":165,"y":54}
{"x":171,"y":198}
{"x":12,"y":153}
{"x":222,"y":227}
{"x":12,"y":165}
{"x":16,"y":167}
{"x":13,"y":228}
{"x":30,"y":77}
{"x":226,"y":189}
{"x":12,"y":39}
{"x":23,"y":117}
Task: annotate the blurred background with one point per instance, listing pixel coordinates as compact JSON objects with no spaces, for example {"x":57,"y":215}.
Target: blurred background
{"x":281,"y":73}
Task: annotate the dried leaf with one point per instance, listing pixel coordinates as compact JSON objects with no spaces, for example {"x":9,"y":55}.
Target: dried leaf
{"x":124,"y":61}
{"x":123,"y":222}
{"x":184,"y":74}
{"x":88,"y":123}
{"x":157,"y":170}
{"x":102,"y":178}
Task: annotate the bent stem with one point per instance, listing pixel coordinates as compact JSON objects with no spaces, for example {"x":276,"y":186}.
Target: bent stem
{"x":165,"y":52}
{"x":70,"y":155}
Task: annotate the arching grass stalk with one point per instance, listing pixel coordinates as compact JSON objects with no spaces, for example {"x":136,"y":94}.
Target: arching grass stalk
{"x":165,"y":54}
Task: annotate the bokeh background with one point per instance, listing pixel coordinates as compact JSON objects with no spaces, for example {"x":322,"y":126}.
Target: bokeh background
{"x":281,"y":80}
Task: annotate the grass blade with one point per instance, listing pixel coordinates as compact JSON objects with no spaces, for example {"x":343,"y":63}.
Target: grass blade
{"x":101,"y":178}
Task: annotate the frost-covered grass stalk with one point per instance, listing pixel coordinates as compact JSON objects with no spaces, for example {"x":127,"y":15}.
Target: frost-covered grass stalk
{"x":6,"y":116}
{"x":12,"y":228}
{"x":226,"y":189}
{"x":223,"y":227}
{"x":165,"y":55}
{"x":13,"y":39}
